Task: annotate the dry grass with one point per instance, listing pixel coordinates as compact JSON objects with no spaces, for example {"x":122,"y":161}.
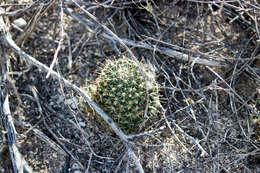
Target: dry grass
{"x":206,"y":57}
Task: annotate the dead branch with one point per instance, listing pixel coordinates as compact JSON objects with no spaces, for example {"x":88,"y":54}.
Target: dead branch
{"x":18,"y":162}
{"x":169,"y":52}
{"x":108,"y":35}
{"x":8,"y":41}
{"x":32,"y":23}
{"x":20,"y":11}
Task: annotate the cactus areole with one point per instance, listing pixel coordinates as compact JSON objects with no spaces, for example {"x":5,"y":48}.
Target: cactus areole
{"x":125,"y":93}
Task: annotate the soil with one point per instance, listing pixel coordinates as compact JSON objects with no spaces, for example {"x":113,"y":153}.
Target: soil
{"x":210,"y":118}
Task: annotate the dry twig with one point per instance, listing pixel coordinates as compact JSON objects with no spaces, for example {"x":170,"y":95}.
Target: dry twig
{"x":107,"y":34}
{"x":8,"y":41}
{"x":18,"y":162}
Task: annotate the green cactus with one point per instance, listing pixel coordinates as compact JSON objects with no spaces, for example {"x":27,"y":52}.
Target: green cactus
{"x":125,"y":93}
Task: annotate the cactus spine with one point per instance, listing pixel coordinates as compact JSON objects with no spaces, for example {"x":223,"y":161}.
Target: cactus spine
{"x":123,"y":92}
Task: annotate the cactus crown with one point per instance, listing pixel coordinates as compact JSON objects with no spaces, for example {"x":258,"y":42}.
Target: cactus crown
{"x":123,"y":92}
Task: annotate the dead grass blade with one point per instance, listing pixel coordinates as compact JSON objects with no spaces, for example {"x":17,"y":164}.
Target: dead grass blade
{"x":7,"y":40}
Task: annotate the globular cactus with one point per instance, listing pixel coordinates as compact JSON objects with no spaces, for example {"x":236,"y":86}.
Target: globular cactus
{"x":125,"y":93}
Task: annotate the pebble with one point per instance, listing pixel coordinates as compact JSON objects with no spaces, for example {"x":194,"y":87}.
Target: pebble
{"x":20,"y":22}
{"x":75,"y":166}
{"x":72,"y":102}
{"x":82,"y":124}
{"x":60,"y":99}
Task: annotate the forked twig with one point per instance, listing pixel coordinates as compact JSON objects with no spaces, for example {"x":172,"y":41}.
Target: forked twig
{"x":8,"y":41}
{"x":109,"y":35}
{"x":18,"y":162}
{"x":55,"y":57}
{"x":19,"y":11}
{"x":32,"y":23}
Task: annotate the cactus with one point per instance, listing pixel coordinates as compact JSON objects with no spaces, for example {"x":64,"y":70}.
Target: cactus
{"x":125,"y":93}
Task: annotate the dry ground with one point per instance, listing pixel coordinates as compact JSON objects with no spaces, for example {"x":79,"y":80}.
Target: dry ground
{"x":207,"y":59}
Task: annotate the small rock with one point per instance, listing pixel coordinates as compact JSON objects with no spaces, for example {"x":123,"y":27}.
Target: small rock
{"x":82,"y":124}
{"x":51,"y":103}
{"x":75,"y":166}
{"x":72,"y":102}
{"x":20,"y":22}
{"x":60,"y":99}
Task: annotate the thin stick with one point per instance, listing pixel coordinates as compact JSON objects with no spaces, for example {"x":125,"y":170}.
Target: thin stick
{"x":18,"y":162}
{"x":6,"y":38}
{"x":109,"y":35}
{"x":55,"y":57}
